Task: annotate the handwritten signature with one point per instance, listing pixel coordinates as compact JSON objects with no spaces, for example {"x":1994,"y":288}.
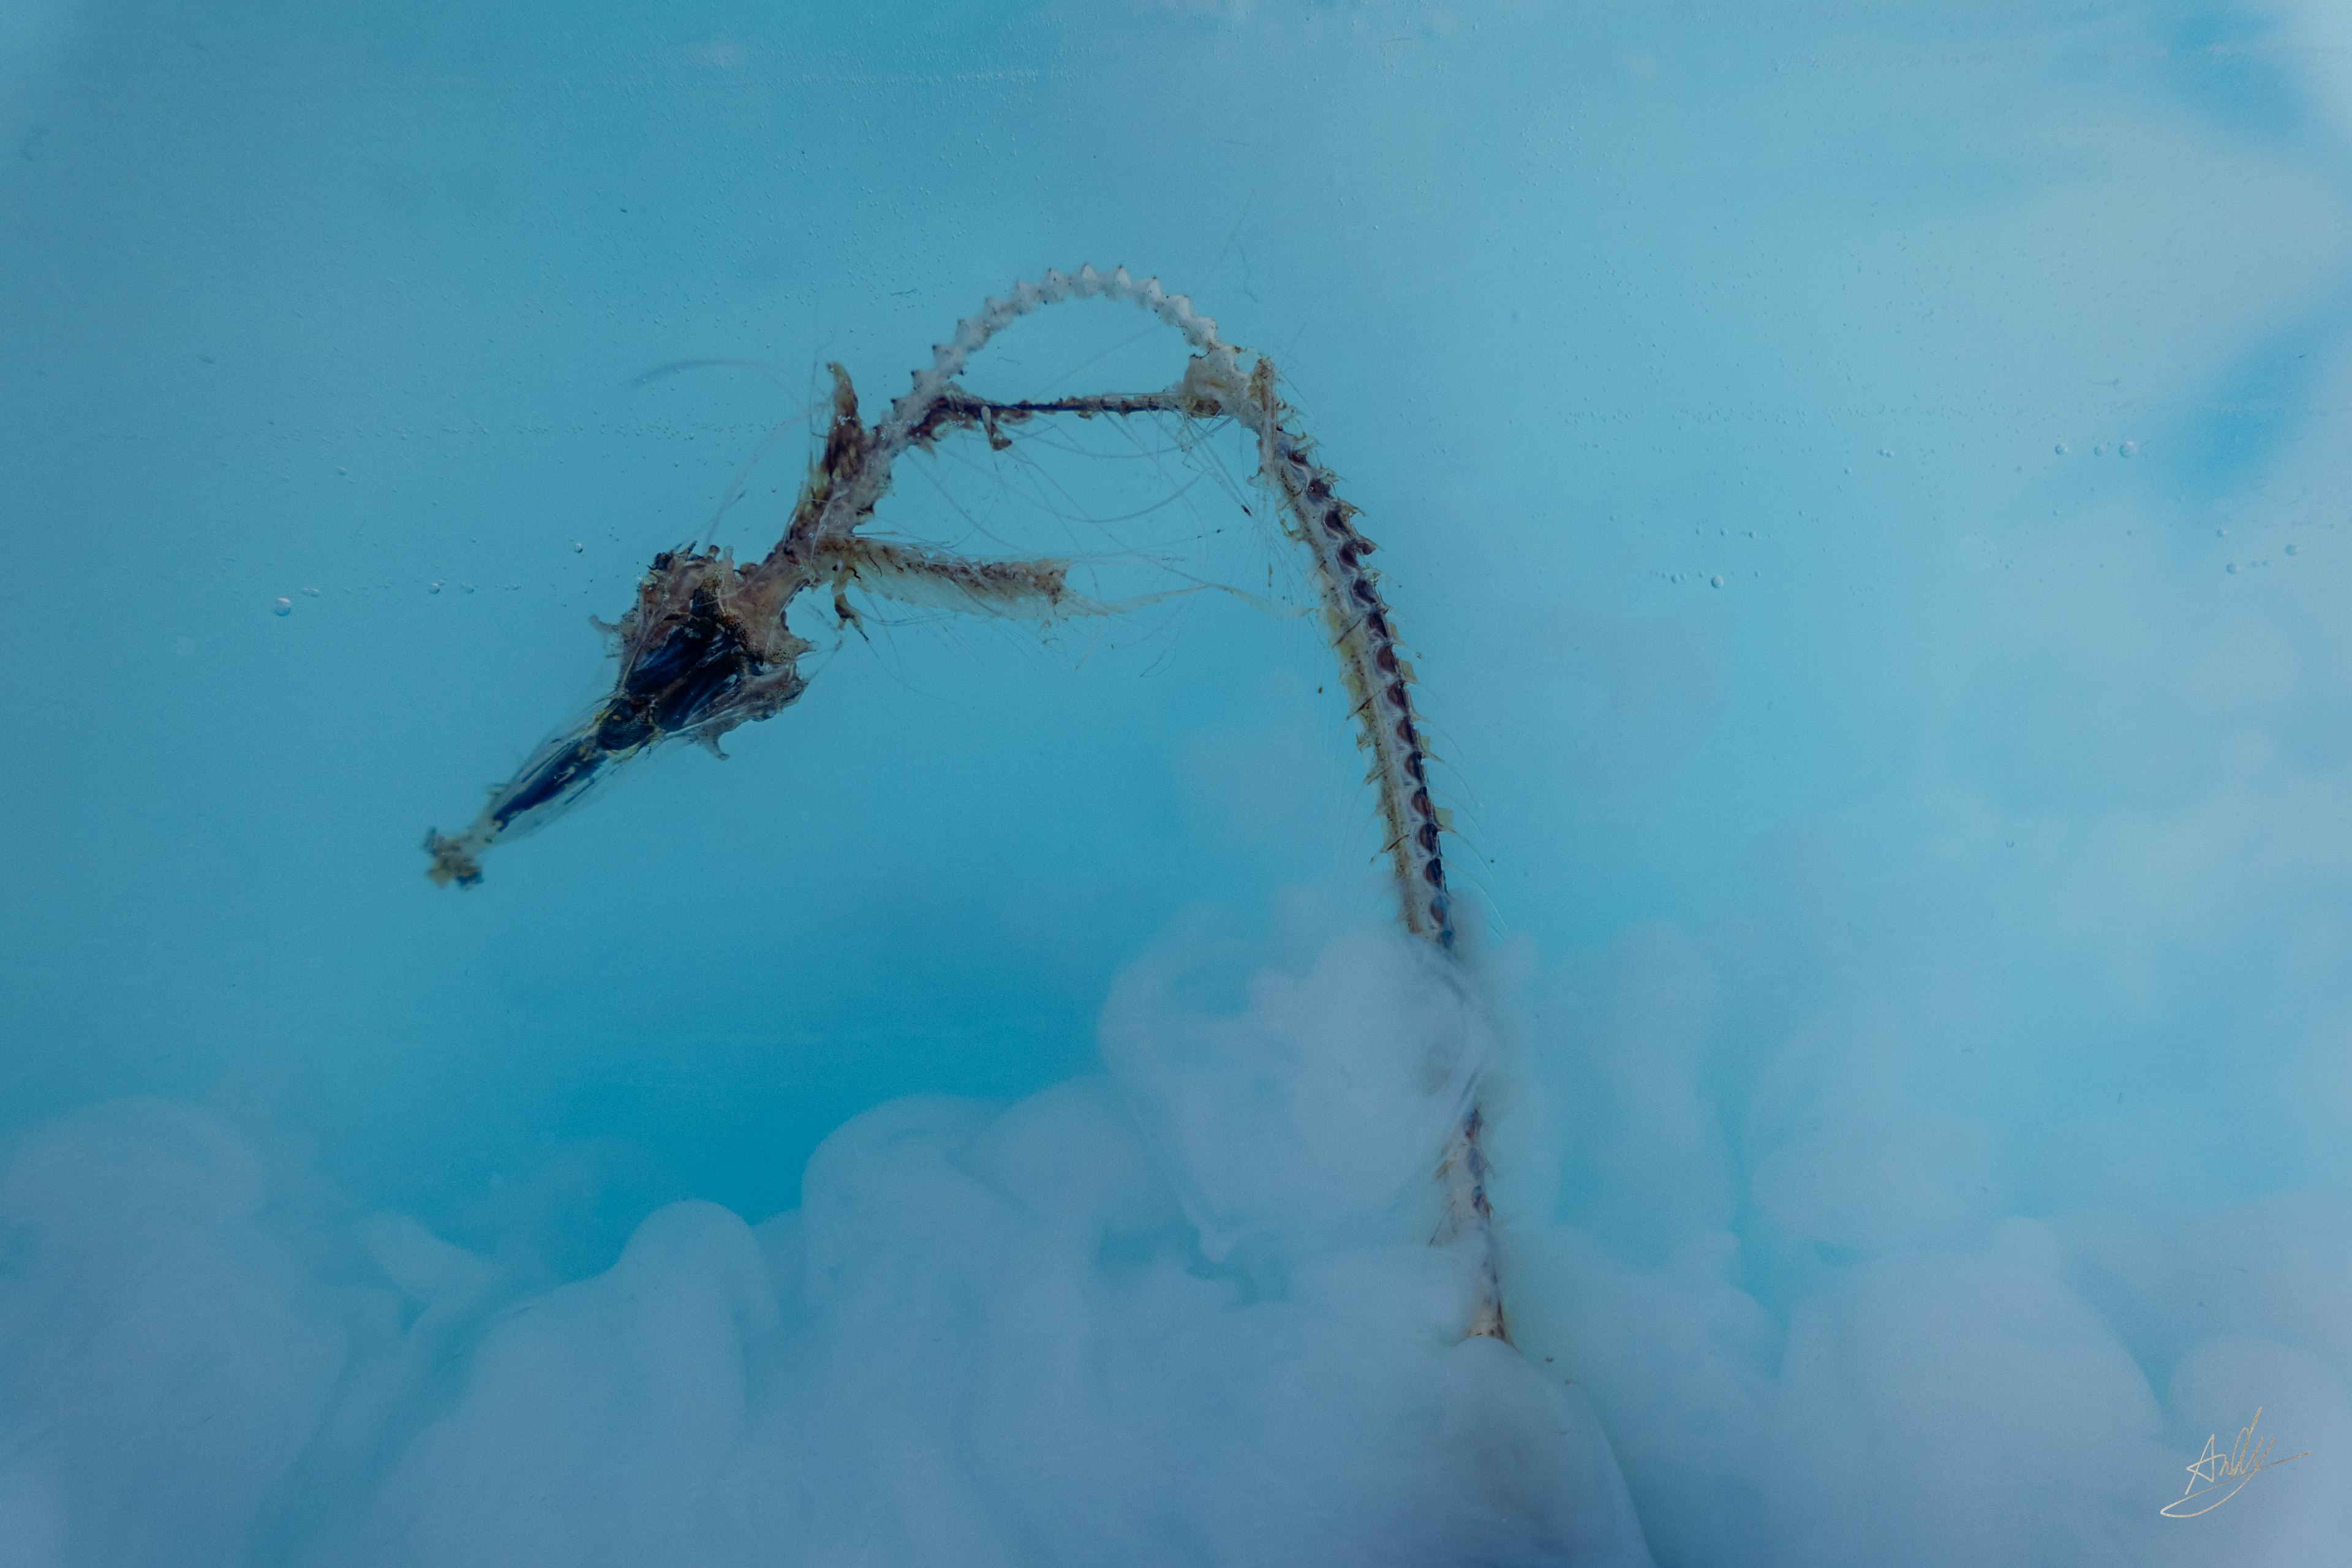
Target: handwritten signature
{"x":2233,"y":1469}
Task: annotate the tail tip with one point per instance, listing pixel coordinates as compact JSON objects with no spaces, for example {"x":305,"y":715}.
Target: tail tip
{"x":456,"y":858}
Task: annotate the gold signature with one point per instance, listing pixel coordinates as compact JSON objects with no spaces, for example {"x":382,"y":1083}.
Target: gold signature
{"x":2233,"y":1469}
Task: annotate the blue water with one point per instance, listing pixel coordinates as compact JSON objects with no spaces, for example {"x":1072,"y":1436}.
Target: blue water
{"x":1865,"y":488}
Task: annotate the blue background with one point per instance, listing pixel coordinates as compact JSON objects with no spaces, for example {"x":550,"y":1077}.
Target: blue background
{"x":2001,"y":782}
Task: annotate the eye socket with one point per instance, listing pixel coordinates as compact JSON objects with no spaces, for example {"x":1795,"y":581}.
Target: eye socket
{"x":683,"y":645}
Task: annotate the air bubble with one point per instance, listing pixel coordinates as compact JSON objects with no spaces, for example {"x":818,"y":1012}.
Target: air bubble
{"x":432,"y":587}
{"x":577,"y":547}
{"x":2233,"y":568}
{"x":283,"y":606}
{"x":2060,"y":449}
{"x":1716,"y":581}
{"x":2128,"y":450}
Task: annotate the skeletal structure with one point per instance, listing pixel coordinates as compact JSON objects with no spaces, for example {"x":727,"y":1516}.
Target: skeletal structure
{"x":706,"y":648}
